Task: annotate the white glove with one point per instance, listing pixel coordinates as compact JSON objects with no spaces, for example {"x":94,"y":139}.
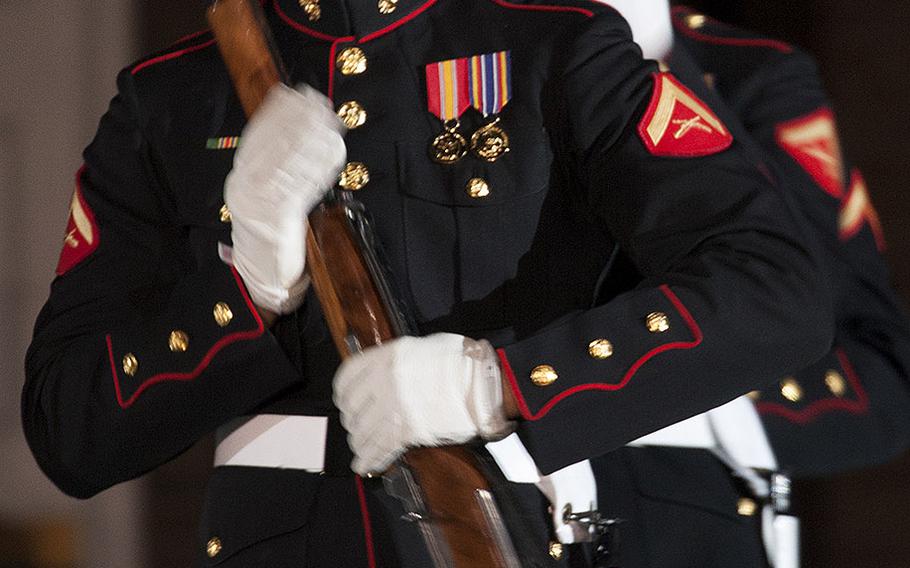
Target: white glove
{"x":291,"y":152}
{"x":438,"y":390}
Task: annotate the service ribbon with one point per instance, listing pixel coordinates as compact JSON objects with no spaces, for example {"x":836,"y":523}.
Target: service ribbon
{"x":490,"y":77}
{"x":447,"y":88}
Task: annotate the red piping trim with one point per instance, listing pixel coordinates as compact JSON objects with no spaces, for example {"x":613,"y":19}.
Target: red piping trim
{"x":544,"y":8}
{"x":172,"y":55}
{"x":370,"y":37}
{"x":680,"y":308}
{"x":188,"y":37}
{"x":817,"y":408}
{"x":221,"y":344}
{"x":367,"y":525}
{"x":741,"y":42}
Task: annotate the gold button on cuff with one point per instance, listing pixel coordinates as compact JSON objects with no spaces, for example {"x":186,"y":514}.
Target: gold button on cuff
{"x":213,"y":547}
{"x":312,"y":9}
{"x":352,"y":114}
{"x":351,"y":61}
{"x":477,"y":188}
{"x":354,"y":176}
{"x":223,"y":314}
{"x":600,"y":349}
{"x":387,"y":6}
{"x":657,"y":322}
{"x":754,"y":395}
{"x":790,"y":389}
{"x":835,"y":383}
{"x":224,"y":214}
{"x":696,"y":21}
{"x":178,"y":341}
{"x":556,"y":550}
{"x":543,"y":375}
{"x":130,"y":364}
{"x":746,"y":507}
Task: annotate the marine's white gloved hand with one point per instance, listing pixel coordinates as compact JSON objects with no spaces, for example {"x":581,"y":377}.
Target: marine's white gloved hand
{"x":291,"y":152}
{"x":419,"y":391}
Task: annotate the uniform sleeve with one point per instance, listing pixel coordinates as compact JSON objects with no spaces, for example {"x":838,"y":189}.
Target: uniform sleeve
{"x":142,"y":348}
{"x":730,"y":298}
{"x":852,"y":408}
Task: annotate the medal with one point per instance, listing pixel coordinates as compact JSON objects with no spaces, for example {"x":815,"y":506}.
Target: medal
{"x":490,"y":79}
{"x":450,"y":146}
{"x":448,"y":98}
{"x":490,"y":142}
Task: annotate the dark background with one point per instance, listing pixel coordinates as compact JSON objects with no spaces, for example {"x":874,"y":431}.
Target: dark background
{"x":855,"y":520}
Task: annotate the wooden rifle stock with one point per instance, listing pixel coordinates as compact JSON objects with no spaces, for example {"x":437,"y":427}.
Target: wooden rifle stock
{"x":453,"y":488}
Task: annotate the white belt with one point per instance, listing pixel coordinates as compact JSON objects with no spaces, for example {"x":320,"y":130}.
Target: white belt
{"x":733,"y":432}
{"x":273,"y":440}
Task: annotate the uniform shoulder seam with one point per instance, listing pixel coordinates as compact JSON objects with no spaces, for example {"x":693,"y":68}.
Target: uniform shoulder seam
{"x":700,"y":35}
{"x":188,"y":44}
{"x":548,"y":7}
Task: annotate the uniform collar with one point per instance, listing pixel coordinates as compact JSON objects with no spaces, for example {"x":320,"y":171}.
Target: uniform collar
{"x":347,"y":18}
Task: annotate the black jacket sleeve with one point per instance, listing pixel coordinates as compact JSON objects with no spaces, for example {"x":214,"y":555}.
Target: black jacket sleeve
{"x":730,"y":297}
{"x":141,"y":348}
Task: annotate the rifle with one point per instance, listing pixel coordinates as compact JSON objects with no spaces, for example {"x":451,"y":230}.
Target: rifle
{"x":444,"y":490}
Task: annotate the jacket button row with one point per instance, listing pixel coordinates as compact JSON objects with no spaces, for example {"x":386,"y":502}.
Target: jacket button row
{"x":354,"y":176}
{"x":657,"y":322}
{"x":213,"y":547}
{"x":223,"y":314}
{"x":835,"y":383}
{"x":543,"y":375}
{"x":600,"y":349}
{"x":746,"y":507}
{"x":130,"y":364}
{"x":351,"y":61}
{"x":352,"y":114}
{"x":312,"y":9}
{"x":387,"y":6}
{"x":791,"y":389}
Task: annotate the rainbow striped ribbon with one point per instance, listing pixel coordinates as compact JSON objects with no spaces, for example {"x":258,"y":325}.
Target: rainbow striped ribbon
{"x":223,"y":143}
{"x":490,"y":78}
{"x":447,"y":88}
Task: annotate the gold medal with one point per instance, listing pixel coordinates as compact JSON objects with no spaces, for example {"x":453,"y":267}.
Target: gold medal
{"x":490,"y":142}
{"x":450,"y":146}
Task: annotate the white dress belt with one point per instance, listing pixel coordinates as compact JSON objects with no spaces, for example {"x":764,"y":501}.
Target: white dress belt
{"x":733,"y":432}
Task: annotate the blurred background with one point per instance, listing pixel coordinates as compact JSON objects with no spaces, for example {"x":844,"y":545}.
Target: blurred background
{"x":61,"y":57}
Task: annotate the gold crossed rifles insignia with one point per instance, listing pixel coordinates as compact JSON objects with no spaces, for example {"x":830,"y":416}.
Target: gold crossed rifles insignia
{"x":671,"y":95}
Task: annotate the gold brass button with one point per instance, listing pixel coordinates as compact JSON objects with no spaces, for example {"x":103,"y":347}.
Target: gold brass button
{"x":354,"y":176}
{"x":696,"y":21}
{"x":543,"y":375}
{"x":351,"y":61}
{"x":224,"y":214}
{"x":178,"y":341}
{"x":387,"y":6}
{"x":600,"y":349}
{"x":213,"y":547}
{"x":746,"y":507}
{"x":223,"y":314}
{"x":556,"y":550}
{"x":312,"y":9}
{"x":835,"y":383}
{"x":477,"y":188}
{"x":754,"y":395}
{"x":352,"y":114}
{"x":791,"y":390}
{"x":657,"y":322}
{"x":130,"y":364}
